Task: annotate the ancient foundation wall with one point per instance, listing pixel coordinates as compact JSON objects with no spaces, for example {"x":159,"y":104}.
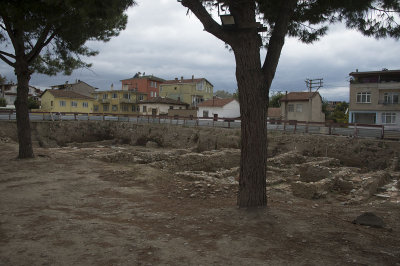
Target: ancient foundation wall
{"x":368,"y":153}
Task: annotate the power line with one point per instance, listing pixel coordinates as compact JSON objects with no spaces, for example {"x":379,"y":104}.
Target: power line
{"x":314,"y":83}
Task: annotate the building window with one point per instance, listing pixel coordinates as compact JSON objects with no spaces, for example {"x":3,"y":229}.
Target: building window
{"x":105,"y":108}
{"x":363,"y":97}
{"x":63,"y":103}
{"x":141,"y":97}
{"x":115,"y":96}
{"x":96,"y":108}
{"x":290,"y":107}
{"x":125,"y":108}
{"x":171,"y":107}
{"x":85,"y":104}
{"x":127,"y":96}
{"x":390,"y":98}
{"x":105,"y":96}
{"x":299,"y":108}
{"x":155,"y":94}
{"x":95,"y":96}
{"x":134,"y":108}
{"x":51,"y":103}
{"x":125,"y":87}
{"x":153,"y":84}
{"x":74,"y":104}
{"x":151,"y":94}
{"x":114,"y":108}
{"x":205,"y":113}
{"x":144,"y":109}
{"x":160,"y":88}
{"x":388,"y":118}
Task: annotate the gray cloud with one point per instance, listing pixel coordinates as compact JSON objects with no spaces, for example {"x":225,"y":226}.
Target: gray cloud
{"x":160,"y":39}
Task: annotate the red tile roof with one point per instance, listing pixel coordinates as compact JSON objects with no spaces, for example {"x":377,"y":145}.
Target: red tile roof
{"x":216,"y":102}
{"x":67,"y":94}
{"x":298,"y":96}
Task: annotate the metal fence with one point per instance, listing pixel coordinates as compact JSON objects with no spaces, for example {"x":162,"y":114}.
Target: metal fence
{"x":326,"y":128}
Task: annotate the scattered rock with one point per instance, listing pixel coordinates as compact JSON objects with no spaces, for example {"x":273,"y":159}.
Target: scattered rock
{"x":369,"y":219}
{"x":312,"y":172}
{"x":151,"y":144}
{"x":291,"y":157}
{"x":312,"y":190}
{"x":372,"y":182}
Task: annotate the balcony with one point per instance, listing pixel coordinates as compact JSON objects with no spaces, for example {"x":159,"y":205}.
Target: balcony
{"x":125,"y":100}
{"x":387,"y":103}
{"x":104,"y":100}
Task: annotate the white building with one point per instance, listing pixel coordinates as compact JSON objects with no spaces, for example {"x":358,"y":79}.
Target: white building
{"x":9,"y":92}
{"x":160,"y":106}
{"x":219,"y":108}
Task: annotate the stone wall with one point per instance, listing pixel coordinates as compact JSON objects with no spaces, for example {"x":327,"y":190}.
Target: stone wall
{"x":368,"y":153}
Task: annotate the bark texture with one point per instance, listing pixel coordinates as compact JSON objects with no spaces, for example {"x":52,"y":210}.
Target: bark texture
{"x":21,"y":105}
{"x":253,"y":98}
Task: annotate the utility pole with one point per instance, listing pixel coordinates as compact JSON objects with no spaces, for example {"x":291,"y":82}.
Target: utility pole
{"x":314,"y":83}
{"x":311,"y":84}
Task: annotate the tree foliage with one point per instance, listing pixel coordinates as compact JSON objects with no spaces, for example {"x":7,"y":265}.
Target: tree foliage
{"x":3,"y":80}
{"x":274,"y":100}
{"x":33,"y":104}
{"x":338,"y":114}
{"x":223,"y":94}
{"x":51,"y":35}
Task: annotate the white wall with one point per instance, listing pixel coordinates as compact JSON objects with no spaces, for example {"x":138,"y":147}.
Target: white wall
{"x":162,"y":108}
{"x":230,"y":110}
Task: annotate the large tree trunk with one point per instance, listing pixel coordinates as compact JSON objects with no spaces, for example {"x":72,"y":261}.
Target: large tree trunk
{"x":253,"y":98}
{"x":23,"y":123}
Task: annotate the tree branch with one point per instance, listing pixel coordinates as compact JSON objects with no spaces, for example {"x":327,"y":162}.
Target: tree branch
{"x":7,"y":54}
{"x":277,"y":40}
{"x":210,"y":25}
{"x":8,"y":29}
{"x":42,"y":41}
{"x":2,"y":57}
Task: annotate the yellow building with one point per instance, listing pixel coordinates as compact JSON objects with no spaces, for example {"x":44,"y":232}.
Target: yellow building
{"x":192,"y":91}
{"x":65,"y":102}
{"x":117,"y":101}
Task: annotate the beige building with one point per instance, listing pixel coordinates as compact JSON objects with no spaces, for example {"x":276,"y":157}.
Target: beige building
{"x":160,"y":106}
{"x":302,"y":106}
{"x":192,"y":91}
{"x":374,"y":97}
{"x":62,"y":101}
{"x":79,"y":87}
{"x":117,"y":101}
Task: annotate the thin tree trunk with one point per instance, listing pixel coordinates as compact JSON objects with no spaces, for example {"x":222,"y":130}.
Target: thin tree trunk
{"x":23,"y":123}
{"x":253,"y":98}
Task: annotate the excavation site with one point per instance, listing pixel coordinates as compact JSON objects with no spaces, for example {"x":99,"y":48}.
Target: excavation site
{"x":116,"y":193}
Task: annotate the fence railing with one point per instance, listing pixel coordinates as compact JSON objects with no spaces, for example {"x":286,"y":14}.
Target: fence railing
{"x":294,"y":126}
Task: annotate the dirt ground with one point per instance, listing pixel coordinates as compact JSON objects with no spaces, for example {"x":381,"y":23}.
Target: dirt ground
{"x":103,"y":203}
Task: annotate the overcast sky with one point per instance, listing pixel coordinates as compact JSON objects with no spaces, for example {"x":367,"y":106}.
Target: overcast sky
{"x":160,"y":39}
